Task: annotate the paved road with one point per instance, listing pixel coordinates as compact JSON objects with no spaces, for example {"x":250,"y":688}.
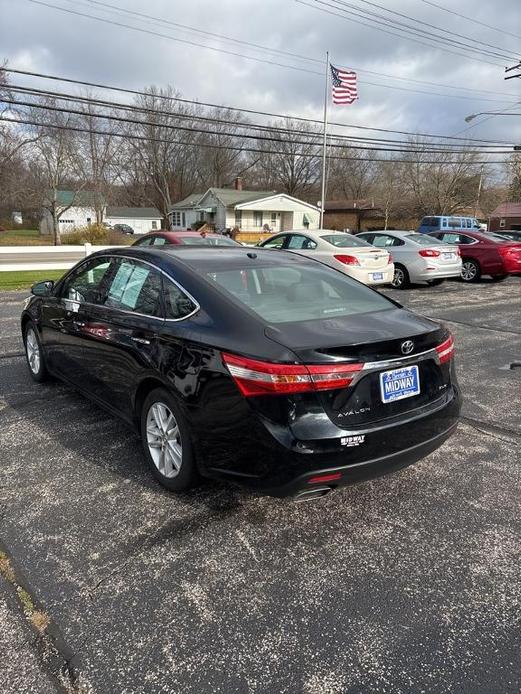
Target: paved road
{"x":405,"y":584}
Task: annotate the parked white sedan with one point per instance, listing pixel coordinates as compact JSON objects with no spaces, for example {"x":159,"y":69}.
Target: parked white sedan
{"x":417,"y":257}
{"x":350,"y":254}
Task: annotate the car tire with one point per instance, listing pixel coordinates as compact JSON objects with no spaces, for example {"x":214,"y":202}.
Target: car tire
{"x":401,"y":278}
{"x":435,"y":283}
{"x":34,"y":354}
{"x":470,"y":270}
{"x":499,"y":278}
{"x":167,"y":442}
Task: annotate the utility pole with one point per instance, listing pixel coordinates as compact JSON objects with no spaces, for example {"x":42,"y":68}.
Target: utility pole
{"x":479,"y":191}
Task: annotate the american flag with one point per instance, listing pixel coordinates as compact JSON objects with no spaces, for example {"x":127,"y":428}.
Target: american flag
{"x":344,"y":85}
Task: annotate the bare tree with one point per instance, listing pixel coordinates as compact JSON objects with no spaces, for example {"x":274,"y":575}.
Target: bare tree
{"x":514,"y":176}
{"x":294,"y":165}
{"x":353,"y":177}
{"x":94,"y":157}
{"x":52,"y":164}
{"x":161,"y":165}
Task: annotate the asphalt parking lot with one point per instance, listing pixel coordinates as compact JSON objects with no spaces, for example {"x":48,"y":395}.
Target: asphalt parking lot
{"x":408,"y":583}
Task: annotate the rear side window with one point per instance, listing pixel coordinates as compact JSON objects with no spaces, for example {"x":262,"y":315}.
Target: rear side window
{"x":345,"y":240}
{"x":177,"y":304}
{"x":293,"y":294}
{"x":159,"y":241}
{"x":299,"y":242}
{"x":423,"y":240}
{"x":136,"y":287}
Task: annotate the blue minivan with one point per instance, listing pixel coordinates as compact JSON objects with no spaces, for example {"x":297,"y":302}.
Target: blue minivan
{"x":447,"y":224}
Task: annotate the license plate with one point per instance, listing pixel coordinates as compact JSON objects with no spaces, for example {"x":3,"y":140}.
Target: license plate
{"x":399,"y":384}
{"x":378,"y":276}
{"x":448,"y":256}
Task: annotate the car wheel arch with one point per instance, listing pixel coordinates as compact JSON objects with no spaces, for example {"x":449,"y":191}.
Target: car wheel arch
{"x":146,"y":386}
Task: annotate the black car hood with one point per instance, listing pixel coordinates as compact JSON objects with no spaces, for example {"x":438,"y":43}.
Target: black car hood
{"x":376,"y":335}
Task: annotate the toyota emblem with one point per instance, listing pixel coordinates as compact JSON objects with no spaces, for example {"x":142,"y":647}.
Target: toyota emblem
{"x":407,"y":346}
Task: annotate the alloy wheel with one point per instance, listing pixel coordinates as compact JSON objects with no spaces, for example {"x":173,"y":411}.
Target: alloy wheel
{"x":469,"y":271}
{"x":399,"y":277}
{"x":33,"y":351}
{"x":164,"y":440}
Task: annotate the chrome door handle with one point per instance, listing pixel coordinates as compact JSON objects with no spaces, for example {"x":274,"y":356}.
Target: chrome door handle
{"x":140,"y":340}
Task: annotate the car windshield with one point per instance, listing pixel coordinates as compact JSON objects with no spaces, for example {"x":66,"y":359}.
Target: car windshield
{"x":285,"y":294}
{"x":344,"y":240}
{"x":424,"y":240}
{"x":209,"y":241}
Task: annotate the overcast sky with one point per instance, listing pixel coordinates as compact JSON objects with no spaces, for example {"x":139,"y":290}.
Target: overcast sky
{"x":40,"y":38}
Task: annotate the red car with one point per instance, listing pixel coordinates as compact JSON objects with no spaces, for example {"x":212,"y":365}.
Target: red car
{"x":484,"y":254}
{"x":192,"y":238}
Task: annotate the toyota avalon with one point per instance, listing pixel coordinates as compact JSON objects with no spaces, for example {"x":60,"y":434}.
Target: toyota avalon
{"x":260,"y":367}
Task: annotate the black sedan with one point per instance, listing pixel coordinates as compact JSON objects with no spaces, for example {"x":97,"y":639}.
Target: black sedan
{"x":260,"y":367}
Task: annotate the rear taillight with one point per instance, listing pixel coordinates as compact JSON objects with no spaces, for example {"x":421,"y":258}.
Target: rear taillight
{"x":389,"y":259}
{"x":446,"y":350}
{"x":255,"y":377}
{"x":458,"y":251}
{"x":347,"y":259}
{"x":429,"y":253}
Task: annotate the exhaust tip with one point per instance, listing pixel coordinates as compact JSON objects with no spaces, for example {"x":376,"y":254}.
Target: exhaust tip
{"x":311,"y":494}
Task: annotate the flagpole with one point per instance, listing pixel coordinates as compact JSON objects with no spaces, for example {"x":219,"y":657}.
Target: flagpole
{"x":324,"y":145}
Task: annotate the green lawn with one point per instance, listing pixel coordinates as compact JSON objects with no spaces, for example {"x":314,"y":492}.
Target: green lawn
{"x":26,"y":278}
{"x":24,"y":237}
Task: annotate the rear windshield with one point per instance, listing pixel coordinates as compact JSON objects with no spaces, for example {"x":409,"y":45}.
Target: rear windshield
{"x":285,"y":294}
{"x":208,"y":241}
{"x":424,"y":240}
{"x":498,"y":238}
{"x":344,"y":240}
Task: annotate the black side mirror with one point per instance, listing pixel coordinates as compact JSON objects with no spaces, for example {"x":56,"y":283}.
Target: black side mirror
{"x":43,"y":288}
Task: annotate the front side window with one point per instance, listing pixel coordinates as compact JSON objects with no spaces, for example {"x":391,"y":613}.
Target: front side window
{"x":86,"y":284}
{"x":276,"y":242}
{"x":144,"y":242}
{"x":285,"y":294}
{"x":136,"y":287}
{"x":159,"y":241}
{"x":382,"y":240}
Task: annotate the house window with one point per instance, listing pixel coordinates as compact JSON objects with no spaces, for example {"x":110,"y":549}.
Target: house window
{"x":176,"y":219}
{"x":154,"y":224}
{"x":273,"y":218}
{"x":257,"y":219}
{"x":184,"y":219}
{"x":305,"y":221}
{"x":238,"y":218}
{"x":88,"y":220}
{"x":502,"y":223}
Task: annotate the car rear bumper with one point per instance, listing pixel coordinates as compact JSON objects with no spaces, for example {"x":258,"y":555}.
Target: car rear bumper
{"x":291,"y":466}
{"x":439,"y":273}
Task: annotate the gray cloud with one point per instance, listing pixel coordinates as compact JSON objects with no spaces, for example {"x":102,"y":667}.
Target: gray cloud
{"x":43,"y":39}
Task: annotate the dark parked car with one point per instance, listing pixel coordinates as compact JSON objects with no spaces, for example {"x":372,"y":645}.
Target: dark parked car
{"x":483,"y":253}
{"x":508,"y":234}
{"x":184,"y":238}
{"x":123,"y":229}
{"x":260,"y":367}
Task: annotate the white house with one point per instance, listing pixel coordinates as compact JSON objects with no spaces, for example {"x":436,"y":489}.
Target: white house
{"x":250,"y":210}
{"x":81,"y":211}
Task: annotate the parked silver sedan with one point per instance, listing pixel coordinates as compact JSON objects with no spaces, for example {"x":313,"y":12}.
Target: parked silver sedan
{"x":416,"y":257}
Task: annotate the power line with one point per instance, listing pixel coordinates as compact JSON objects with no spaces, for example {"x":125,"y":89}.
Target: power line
{"x":143,"y":138}
{"x":246,"y":136}
{"x":268,"y":114}
{"x":349,"y":141}
{"x":235,"y":54}
{"x":441,"y":45}
{"x":319,"y":61}
{"x":427,"y":24}
{"x":470,"y":19}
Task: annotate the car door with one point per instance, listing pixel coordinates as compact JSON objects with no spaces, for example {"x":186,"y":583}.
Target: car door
{"x":122,"y":334}
{"x":302,"y":244}
{"x":66,"y":313}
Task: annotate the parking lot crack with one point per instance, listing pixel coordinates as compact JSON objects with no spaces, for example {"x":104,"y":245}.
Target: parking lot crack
{"x":490,"y":429}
